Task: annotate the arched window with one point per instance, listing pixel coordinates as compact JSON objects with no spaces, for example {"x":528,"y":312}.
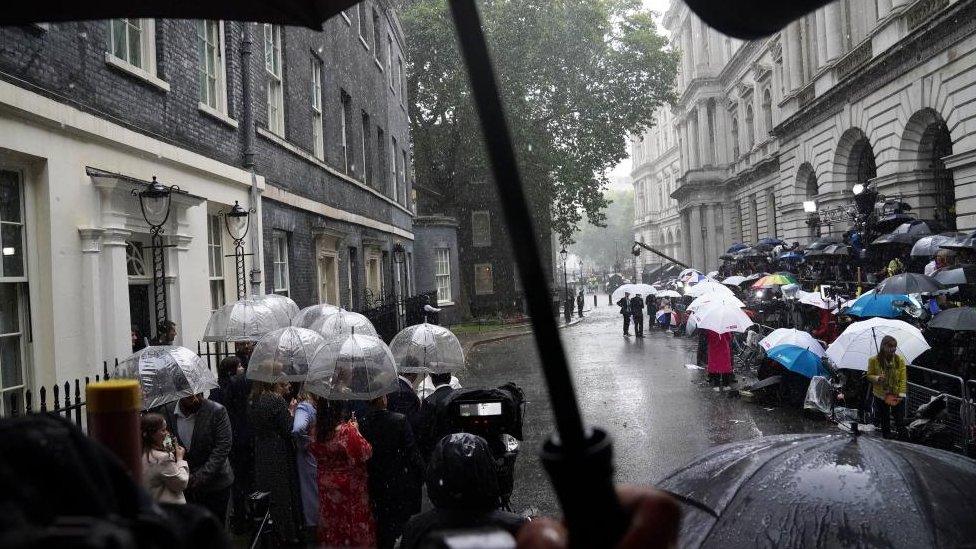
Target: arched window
{"x":735,"y":138}
{"x":767,"y":106}
{"x":750,"y":128}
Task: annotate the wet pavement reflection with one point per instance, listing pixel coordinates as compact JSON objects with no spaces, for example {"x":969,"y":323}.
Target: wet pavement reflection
{"x":660,"y":413}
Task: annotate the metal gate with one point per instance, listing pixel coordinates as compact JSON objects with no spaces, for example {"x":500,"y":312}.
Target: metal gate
{"x":923,"y":384}
{"x":391,"y":313}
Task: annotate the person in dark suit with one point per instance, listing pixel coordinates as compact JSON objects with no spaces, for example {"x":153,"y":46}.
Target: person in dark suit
{"x":203,"y":428}
{"x":405,"y":400}
{"x":431,"y":411}
{"x":637,"y":311}
{"x":395,"y":470}
{"x":624,"y":304}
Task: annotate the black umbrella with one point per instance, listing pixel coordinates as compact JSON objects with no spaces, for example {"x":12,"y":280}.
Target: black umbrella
{"x":966,"y":244}
{"x":960,"y":319}
{"x":956,"y":275}
{"x":896,"y":238}
{"x":826,"y":491}
{"x":919,"y":227}
{"x":822,"y":243}
{"x":909,"y":283}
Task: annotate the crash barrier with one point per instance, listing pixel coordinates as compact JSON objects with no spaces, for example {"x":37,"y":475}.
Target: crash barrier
{"x":66,"y":400}
{"x":923,"y":384}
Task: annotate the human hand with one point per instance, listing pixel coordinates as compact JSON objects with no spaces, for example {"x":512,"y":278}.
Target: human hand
{"x":179,"y":452}
{"x":892,"y":400}
{"x":292,"y":406}
{"x":881,"y":378}
{"x":654,"y":519}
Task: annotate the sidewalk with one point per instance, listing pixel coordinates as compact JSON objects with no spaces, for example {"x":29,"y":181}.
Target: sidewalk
{"x":471,"y":340}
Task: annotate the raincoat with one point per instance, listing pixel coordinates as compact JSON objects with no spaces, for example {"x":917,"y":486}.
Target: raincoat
{"x":896,"y":377}
{"x":719,"y":353}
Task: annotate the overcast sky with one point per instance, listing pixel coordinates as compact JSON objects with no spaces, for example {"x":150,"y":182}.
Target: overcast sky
{"x":623,"y":169}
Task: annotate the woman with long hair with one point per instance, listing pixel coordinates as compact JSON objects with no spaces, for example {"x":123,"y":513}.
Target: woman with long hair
{"x":270,"y":417}
{"x":341,"y":452}
{"x":165,"y":472}
{"x":888,"y":374}
{"x":303,"y":429}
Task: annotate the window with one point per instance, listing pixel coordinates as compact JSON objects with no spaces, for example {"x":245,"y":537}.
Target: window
{"x":481,"y":229}
{"x":376,"y":34}
{"x":771,"y":214}
{"x":389,"y":63}
{"x":212,"y":74}
{"x":272,"y":64}
{"x":442,"y":274}
{"x":345,"y":114}
{"x":134,"y":41}
{"x":215,"y":265}
{"x":14,"y":329}
{"x":318,"y":140}
{"x":367,"y":153}
{"x":750,"y":128}
{"x":360,"y":7}
{"x":483,"y":281}
{"x":352,"y":268}
{"x":403,"y":81}
{"x":395,"y":169}
{"x":279,"y":262}
{"x":381,"y":158}
{"x":767,"y":106}
{"x":735,"y":138}
{"x":403,"y":184}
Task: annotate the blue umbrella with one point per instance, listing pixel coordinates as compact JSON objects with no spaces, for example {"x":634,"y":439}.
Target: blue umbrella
{"x":872,"y":304}
{"x":736,"y":247}
{"x":791,"y":255}
{"x":797,"y":359}
{"x":769,"y":242}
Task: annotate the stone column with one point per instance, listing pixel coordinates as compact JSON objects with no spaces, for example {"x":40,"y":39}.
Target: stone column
{"x":793,"y":56}
{"x":698,"y":38}
{"x":116,"y":322}
{"x":834,"y":30}
{"x":721,"y":130}
{"x":884,"y":8}
{"x":706,"y":155}
{"x":91,"y":291}
{"x":694,"y":158}
{"x":697,"y":244}
{"x":685,"y":242}
{"x":821,"y":37}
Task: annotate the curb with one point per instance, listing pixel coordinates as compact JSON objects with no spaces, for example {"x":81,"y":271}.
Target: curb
{"x":481,"y":342}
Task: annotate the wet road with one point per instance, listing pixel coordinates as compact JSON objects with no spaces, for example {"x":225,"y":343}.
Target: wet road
{"x":659,"y":412}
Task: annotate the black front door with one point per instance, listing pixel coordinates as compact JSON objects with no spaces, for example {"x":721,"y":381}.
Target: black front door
{"x":140,"y":309}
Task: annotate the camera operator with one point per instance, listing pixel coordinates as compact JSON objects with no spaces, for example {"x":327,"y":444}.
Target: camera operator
{"x":432,"y":411}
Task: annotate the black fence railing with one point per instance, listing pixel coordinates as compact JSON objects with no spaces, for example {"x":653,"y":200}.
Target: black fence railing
{"x":66,"y":400}
{"x":391,"y":313}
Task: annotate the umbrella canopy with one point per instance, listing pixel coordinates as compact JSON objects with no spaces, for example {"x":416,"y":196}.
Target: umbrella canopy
{"x":167,"y":373}
{"x":822,"y":243}
{"x":736,"y":247}
{"x":750,"y":252}
{"x":633,"y":289}
{"x":777,"y":279}
{"x":837,"y":250}
{"x":768,"y":243}
{"x":668,"y":293}
{"x":960,"y":319}
{"x":734,"y":280}
{"x":248,"y":319}
{"x":354,"y":367}
{"x":791,"y":256}
{"x":284,"y":307}
{"x":928,"y":246}
{"x":825,"y":490}
{"x":691,"y":276}
{"x":721,"y":318}
{"x":918,"y":227}
{"x":344,"y":323}
{"x":956,"y":275}
{"x":715,"y":297}
{"x":708,"y":287}
{"x":284,"y":355}
{"x":312,"y":314}
{"x":427,"y":348}
{"x":909,"y":283}
{"x":896,"y":239}
{"x":967,"y":244}
{"x":798,"y":359}
{"x":794,"y":337}
{"x":872,"y":304}
{"x":861,"y":341}
{"x":815,"y":299}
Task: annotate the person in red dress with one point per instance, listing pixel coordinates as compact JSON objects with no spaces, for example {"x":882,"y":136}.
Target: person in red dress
{"x":719,"y":359}
{"x":341,"y":452}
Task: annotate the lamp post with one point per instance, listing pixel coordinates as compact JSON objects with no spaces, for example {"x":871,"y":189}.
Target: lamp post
{"x":154,"y":201}
{"x":237,"y":221}
{"x":567,"y":311}
{"x":399,"y":258}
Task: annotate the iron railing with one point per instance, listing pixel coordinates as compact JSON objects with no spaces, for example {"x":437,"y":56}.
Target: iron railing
{"x":66,"y":400}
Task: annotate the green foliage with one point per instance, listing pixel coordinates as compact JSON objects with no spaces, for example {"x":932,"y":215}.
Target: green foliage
{"x":605,"y":245}
{"x":576,"y":77}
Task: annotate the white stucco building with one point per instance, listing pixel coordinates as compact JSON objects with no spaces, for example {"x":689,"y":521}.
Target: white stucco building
{"x":877,"y":93}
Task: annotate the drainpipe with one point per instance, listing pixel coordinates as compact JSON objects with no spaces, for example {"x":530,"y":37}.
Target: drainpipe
{"x":247,"y":124}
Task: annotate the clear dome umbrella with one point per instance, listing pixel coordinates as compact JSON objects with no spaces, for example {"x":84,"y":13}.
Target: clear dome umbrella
{"x":308,"y":316}
{"x":354,"y":367}
{"x":343,"y":323}
{"x":284,"y":308}
{"x":427,"y":348}
{"x":248,"y":319}
{"x":284,"y":355}
{"x":166,"y":374}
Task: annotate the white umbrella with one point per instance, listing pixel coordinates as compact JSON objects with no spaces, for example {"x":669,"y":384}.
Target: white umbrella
{"x":815,"y":299}
{"x":167,"y":373}
{"x":715,"y":297}
{"x":667,"y":293}
{"x":344,"y":323}
{"x":712,"y":274}
{"x":721,"y":318}
{"x":427,"y":348}
{"x":284,"y":355}
{"x":734,"y":280}
{"x":861,"y":341}
{"x":284,"y":307}
{"x":633,"y":289}
{"x":354,"y":367}
{"x":248,"y":319}
{"x":792,"y":336}
{"x":708,"y":287}
{"x":308,"y":316}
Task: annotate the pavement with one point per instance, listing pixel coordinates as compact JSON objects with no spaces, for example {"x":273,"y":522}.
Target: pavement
{"x":470,"y":340}
{"x":660,"y":413}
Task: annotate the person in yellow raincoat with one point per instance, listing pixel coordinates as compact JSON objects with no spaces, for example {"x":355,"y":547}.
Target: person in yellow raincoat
{"x":888,"y":374}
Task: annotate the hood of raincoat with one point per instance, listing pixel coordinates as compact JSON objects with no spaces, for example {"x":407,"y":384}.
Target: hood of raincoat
{"x":461,"y":474}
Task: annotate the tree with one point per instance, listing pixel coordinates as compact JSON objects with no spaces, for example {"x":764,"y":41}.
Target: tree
{"x":603,"y":246}
{"x":576,"y":77}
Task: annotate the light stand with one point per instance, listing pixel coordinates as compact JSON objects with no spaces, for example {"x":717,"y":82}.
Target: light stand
{"x":154,"y":201}
{"x":237,"y":220}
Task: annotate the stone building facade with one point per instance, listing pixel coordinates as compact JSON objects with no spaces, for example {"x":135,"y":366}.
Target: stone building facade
{"x":874,"y":93}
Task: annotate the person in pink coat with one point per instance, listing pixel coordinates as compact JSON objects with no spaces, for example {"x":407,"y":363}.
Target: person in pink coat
{"x":719,"y":360}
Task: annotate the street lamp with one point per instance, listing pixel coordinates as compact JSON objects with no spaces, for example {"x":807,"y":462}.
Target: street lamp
{"x":399,"y":258}
{"x":154,"y":201}
{"x":237,"y":221}
{"x":810,"y":206}
{"x":567,"y":312}
{"x":857,"y":189}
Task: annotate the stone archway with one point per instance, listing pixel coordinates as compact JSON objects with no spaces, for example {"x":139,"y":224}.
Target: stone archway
{"x":924,"y":143}
{"x":854,"y":161}
{"x":807,"y":188}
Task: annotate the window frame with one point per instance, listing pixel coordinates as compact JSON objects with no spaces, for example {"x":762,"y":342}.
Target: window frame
{"x":318,"y":129}
{"x":395,"y":168}
{"x":279,"y":263}
{"x":443,"y":298}
{"x":367,"y":134}
{"x":147,"y":44}
{"x":485,"y":241}
{"x":345,"y":110}
{"x":275,"y":88}
{"x":491,"y":279}
{"x":220,"y":69}
{"x":21,"y":287}
{"x":377,"y":33}
{"x":215,"y":260}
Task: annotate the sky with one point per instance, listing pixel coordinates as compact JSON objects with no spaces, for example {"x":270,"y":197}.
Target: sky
{"x":622,"y":170}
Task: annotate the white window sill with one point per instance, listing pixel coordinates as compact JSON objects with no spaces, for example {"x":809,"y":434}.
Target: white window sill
{"x":133,"y":70}
{"x":364,"y":42}
{"x":219,"y":116}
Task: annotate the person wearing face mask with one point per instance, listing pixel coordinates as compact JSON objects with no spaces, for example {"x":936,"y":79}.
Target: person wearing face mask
{"x":203,"y":428}
{"x":888,"y":374}
{"x":164,"y":471}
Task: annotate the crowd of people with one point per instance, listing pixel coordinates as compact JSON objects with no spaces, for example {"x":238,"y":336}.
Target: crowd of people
{"x":336,"y":473}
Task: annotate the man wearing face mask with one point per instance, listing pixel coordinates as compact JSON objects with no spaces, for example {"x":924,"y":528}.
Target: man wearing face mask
{"x":203,"y":428}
